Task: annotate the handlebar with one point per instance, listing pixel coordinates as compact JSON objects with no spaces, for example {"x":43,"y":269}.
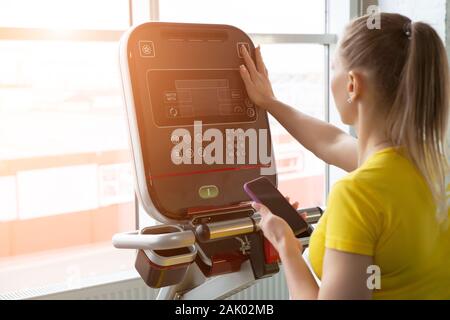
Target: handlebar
{"x":165,"y":241}
{"x":204,"y":232}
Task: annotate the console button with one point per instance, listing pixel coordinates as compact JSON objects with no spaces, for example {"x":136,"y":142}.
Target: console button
{"x":173,"y":112}
{"x":238,"y":109}
{"x":170,"y":96}
{"x":146,"y":49}
{"x":208,"y":192}
{"x":239,"y":44}
{"x":251,"y":112}
{"x":249,"y":103}
{"x":236,"y":94}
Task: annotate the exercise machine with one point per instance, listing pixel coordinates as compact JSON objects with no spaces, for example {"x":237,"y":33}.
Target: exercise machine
{"x":193,"y":133}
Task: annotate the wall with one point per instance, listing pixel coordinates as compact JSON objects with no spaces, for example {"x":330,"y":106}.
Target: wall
{"x":430,"y":11}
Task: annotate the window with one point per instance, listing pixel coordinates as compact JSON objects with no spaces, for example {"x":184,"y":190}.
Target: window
{"x":290,"y":33}
{"x":301,"y":176}
{"x":65,"y":176}
{"x":253,"y":16}
{"x":66,"y":14}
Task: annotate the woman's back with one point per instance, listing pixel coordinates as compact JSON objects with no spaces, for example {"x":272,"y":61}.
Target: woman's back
{"x":386,"y":210}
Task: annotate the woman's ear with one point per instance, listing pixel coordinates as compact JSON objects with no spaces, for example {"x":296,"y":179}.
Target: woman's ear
{"x":354,"y":85}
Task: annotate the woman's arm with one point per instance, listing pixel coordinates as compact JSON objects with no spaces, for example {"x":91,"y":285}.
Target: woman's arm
{"x":344,"y":275}
{"x":326,"y":141}
{"x":300,"y":281}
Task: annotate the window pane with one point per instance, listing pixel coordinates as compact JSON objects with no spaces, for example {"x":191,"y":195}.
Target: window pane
{"x":264,"y":16}
{"x":300,"y":174}
{"x":59,"y":98}
{"x":70,"y":14}
{"x":65,"y":172}
{"x":65,"y":175}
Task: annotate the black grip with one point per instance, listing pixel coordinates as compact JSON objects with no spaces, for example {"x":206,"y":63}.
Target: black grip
{"x":257,"y":257}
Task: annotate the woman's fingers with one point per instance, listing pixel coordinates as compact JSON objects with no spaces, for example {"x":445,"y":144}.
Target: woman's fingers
{"x":249,"y":63}
{"x":256,"y":206}
{"x":245,"y":76}
{"x":260,"y":62}
{"x":295,"y":204}
{"x":262,"y":209}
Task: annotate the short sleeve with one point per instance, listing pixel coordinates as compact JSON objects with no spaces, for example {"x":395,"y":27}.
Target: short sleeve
{"x":353,"y":219}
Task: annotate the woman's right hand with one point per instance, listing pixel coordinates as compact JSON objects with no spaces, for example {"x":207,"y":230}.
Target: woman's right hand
{"x":256,"y":79}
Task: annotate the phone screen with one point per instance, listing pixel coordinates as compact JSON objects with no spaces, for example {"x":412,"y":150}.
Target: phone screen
{"x":263,"y":191}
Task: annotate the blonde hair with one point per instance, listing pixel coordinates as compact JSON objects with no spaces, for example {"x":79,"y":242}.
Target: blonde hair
{"x":409,"y":65}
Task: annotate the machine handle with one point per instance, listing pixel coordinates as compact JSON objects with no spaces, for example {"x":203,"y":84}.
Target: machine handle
{"x":206,"y":232}
{"x":231,"y":228}
{"x":225,"y":229}
{"x":165,"y":241}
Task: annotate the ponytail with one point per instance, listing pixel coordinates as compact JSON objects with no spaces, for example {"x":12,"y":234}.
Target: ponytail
{"x":409,"y":66}
{"x":418,"y":118}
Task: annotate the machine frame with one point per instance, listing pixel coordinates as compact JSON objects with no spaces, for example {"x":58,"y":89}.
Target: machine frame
{"x":196,"y":284}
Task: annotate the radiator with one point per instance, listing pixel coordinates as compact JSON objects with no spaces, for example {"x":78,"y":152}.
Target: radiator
{"x":273,"y":288}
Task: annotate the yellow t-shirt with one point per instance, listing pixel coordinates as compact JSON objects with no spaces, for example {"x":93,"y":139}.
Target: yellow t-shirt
{"x":385,"y":210}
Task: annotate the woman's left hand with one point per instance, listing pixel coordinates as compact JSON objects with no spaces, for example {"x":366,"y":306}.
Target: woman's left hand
{"x":276,"y":229}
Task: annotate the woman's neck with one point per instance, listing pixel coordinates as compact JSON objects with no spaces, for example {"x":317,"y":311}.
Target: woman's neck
{"x":371,"y":129}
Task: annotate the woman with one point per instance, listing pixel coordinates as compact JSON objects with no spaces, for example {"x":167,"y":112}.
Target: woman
{"x":391,"y":212}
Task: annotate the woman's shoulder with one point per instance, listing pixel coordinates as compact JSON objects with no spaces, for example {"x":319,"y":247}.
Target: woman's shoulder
{"x":369,"y":180}
{"x":354,"y":186}
{"x":381,"y":180}
{"x":385,"y":168}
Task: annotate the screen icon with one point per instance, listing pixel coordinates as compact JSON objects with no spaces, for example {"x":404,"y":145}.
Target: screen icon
{"x":173,"y":112}
{"x":170,"y":96}
{"x":238,"y":109}
{"x":146,"y":49}
{"x":248,"y":103}
{"x":236,"y":94}
{"x":245,"y":44}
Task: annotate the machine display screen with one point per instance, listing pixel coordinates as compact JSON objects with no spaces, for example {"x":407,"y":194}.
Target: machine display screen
{"x":180,"y":97}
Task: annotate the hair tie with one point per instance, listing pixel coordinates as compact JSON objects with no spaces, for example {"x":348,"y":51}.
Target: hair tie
{"x":407,"y":28}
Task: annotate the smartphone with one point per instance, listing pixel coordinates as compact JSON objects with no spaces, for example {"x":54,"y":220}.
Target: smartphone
{"x":264,"y":192}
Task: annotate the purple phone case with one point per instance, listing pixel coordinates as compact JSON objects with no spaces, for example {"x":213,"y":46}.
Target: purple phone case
{"x":250,"y":193}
